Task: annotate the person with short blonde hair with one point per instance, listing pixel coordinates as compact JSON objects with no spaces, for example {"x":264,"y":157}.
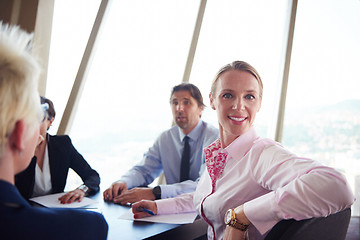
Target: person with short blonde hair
{"x":18,"y":90}
{"x":20,"y":119}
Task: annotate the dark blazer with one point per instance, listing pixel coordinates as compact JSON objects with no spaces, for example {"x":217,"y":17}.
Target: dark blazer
{"x":62,"y":156}
{"x":19,"y":220}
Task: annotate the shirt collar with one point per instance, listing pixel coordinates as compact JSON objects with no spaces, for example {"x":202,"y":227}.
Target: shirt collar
{"x":216,"y":157}
{"x":194,"y":134}
{"x":241,"y":145}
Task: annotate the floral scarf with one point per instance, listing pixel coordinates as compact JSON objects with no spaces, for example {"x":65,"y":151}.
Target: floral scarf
{"x":215,"y":158}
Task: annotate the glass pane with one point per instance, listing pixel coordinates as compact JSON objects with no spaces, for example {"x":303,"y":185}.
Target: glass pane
{"x":72,"y":24}
{"x":251,"y":31}
{"x":322,"y":119}
{"x":140,"y":56}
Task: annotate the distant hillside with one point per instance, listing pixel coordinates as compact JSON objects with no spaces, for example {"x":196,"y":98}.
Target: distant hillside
{"x":347,"y":105}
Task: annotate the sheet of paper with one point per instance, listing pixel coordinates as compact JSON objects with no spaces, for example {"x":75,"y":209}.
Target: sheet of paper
{"x":52,"y":201}
{"x":181,"y":218}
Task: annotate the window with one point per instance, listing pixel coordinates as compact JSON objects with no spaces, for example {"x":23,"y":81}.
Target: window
{"x":252,"y":31}
{"x":142,"y":52}
{"x":140,"y":56}
{"x":322,"y":117}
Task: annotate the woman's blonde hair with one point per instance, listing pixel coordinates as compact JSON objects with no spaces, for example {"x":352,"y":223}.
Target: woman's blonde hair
{"x":240,"y":66}
{"x":19,"y":73}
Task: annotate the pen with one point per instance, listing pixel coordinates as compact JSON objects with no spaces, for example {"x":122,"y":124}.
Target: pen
{"x":146,"y":210}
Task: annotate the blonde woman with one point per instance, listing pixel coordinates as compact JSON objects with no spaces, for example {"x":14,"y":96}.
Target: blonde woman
{"x":252,"y":182}
{"x":20,"y":118}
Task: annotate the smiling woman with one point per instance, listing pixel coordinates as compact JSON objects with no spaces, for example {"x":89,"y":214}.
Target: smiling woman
{"x":241,"y":106}
{"x":142,"y":52}
{"x":252,"y":182}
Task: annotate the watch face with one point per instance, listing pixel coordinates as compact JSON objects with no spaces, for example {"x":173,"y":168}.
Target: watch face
{"x":228,"y":216}
{"x":157,"y":190}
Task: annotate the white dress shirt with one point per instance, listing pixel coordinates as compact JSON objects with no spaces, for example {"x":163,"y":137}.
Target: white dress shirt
{"x":43,"y":184}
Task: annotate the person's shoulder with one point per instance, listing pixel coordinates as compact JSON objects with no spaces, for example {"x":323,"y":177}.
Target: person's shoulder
{"x":265,"y":143}
{"x":92,"y":223}
{"x":211,"y":128}
{"x":59,"y":138}
{"x":55,"y":223}
{"x":84,"y":216}
{"x":169,"y":133}
{"x":270,"y":147}
{"x":210,"y":132}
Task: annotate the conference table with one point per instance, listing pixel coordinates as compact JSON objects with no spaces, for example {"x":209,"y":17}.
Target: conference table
{"x":129,"y":229}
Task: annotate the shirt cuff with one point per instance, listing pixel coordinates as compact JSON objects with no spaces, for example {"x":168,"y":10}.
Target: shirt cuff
{"x":180,"y":204}
{"x":167,"y":191}
{"x":165,"y":206}
{"x":261,"y":212}
{"x":128,"y":182}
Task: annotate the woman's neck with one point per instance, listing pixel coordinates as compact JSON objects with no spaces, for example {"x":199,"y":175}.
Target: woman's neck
{"x":225,"y":138}
{"x":40,"y":154}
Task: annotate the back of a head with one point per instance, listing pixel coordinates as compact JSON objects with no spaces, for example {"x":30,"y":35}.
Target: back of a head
{"x":51,"y":110}
{"x":19,"y":73}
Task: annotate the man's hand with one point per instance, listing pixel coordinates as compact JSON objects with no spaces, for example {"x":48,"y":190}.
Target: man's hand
{"x":75,"y":195}
{"x":138,"y":206}
{"x":134,"y":195}
{"x":115,"y":190}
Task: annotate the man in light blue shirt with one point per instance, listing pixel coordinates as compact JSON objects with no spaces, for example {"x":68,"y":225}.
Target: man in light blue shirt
{"x":165,"y":156}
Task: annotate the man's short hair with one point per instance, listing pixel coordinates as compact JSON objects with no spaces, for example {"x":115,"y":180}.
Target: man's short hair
{"x":194,"y":92}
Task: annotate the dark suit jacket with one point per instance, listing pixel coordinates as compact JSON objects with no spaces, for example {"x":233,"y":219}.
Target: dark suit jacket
{"x":62,"y":156}
{"x":19,"y":220}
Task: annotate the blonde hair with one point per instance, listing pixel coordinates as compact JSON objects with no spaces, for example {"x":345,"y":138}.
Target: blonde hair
{"x":240,"y":66}
{"x":19,"y":73}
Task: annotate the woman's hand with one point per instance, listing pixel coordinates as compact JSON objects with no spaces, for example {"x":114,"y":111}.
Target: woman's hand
{"x":138,"y":207}
{"x":75,"y":195}
{"x":233,"y":233}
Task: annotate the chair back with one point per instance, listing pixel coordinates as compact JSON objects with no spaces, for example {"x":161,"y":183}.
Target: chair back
{"x":332,"y":227}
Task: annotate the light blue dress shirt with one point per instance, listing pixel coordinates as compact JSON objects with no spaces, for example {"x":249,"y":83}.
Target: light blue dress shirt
{"x":165,"y":156}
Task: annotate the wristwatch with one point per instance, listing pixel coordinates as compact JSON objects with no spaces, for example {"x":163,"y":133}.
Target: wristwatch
{"x":83,"y":188}
{"x":230,"y":219}
{"x":157,"y":192}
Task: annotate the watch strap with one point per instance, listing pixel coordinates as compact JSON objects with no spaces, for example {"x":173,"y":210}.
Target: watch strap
{"x":83,"y":188}
{"x":236,"y":223}
{"x":157,"y":192}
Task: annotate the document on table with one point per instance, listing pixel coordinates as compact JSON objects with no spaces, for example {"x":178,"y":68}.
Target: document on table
{"x":52,"y":201}
{"x":181,"y":218}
